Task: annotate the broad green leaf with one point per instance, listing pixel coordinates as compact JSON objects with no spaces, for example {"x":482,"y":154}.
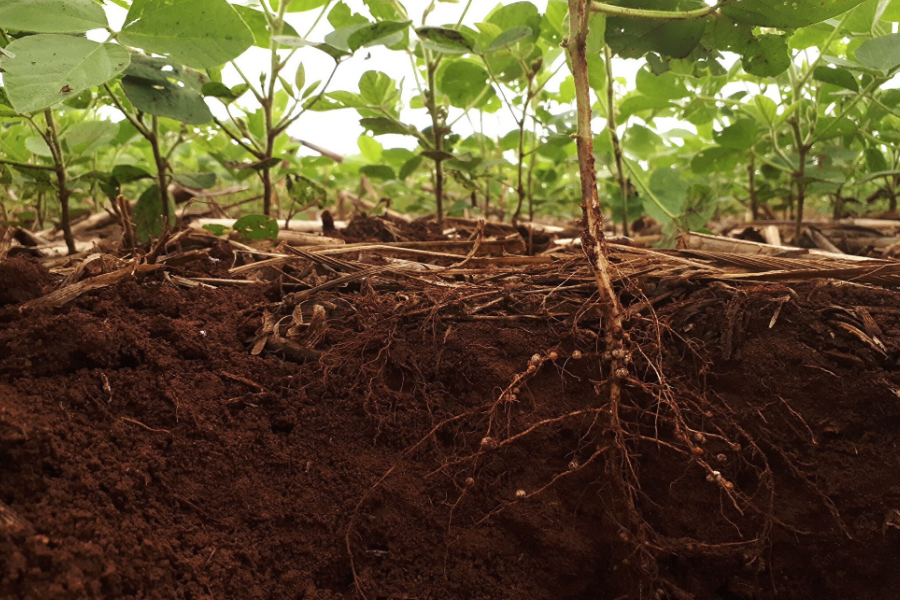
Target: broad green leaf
{"x":89,"y":136}
{"x":52,"y":16}
{"x":195,"y":181}
{"x":410,"y":166}
{"x":259,"y":27}
{"x":386,"y":10}
{"x":341,"y":16}
{"x":257,"y":227}
{"x":385,"y":126}
{"x":642,"y":142}
{"x":381,"y":32}
{"x":875,"y":161}
{"x":880,"y":53}
{"x":786,"y":14}
{"x":766,"y":56}
{"x":167,"y":100}
{"x":158,"y":87}
{"x":715,"y":160}
{"x":370,"y":148}
{"x":509,"y":38}
{"x":379,"y":172}
{"x":667,"y":194}
{"x":37,"y":145}
{"x":666,"y":86}
{"x":761,"y":108}
{"x":50,"y":68}
{"x":863,"y":18}
{"x":517,"y":14}
{"x":227,"y":95}
{"x":740,"y":135}
{"x":148,"y":214}
{"x":128,"y":173}
{"x":377,"y":89}
{"x":839,"y":77}
{"x":464,"y":82}
{"x":635,"y":104}
{"x":444,"y":41}
{"x":633,"y":38}
{"x":198,"y":33}
{"x":303,"y":5}
{"x":832,"y":127}
{"x":807,"y":37}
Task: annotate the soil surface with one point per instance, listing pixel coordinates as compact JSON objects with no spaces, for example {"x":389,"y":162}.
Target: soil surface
{"x":146,"y":453}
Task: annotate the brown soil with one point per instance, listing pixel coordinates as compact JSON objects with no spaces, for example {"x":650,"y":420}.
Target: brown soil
{"x":370,"y":229}
{"x":154,"y":457}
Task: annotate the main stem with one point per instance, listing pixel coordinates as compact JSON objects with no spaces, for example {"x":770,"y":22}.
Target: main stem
{"x":61,"y":180}
{"x":161,"y":167}
{"x":437,"y":130}
{"x":594,"y":244}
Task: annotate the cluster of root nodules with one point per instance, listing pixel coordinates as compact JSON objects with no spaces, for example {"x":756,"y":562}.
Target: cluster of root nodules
{"x":451,"y":443}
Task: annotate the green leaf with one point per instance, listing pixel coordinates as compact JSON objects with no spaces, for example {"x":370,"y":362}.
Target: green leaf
{"x":382,"y":32}
{"x":128,"y":173}
{"x":198,"y":33}
{"x":300,"y":77}
{"x":633,"y":38}
{"x":766,"y":56}
{"x":715,"y":160}
{"x":385,"y":126}
{"x":50,"y":68}
{"x":875,"y":161}
{"x":642,"y":142}
{"x":443,"y":41}
{"x":762,"y":108}
{"x":740,"y":135}
{"x":880,"y":53}
{"x":52,"y":16}
{"x":377,"y":89}
{"x":89,"y":136}
{"x":839,"y":77}
{"x":303,"y":5}
{"x":195,"y":181}
{"x":259,"y":27}
{"x":667,"y":194}
{"x":666,"y":86}
{"x":341,"y":16}
{"x":786,"y":14}
{"x":214,"y":89}
{"x":256,"y":227}
{"x":638,"y":103}
{"x":379,"y":172}
{"x":518,"y":14}
{"x":464,"y":82}
{"x":410,"y":166}
{"x":148,"y":217}
{"x":370,"y":148}
{"x":37,"y":145}
{"x":509,"y":38}
{"x":167,"y":100}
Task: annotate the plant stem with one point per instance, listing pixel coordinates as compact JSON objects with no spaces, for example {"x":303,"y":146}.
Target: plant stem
{"x":161,"y":168}
{"x":20,"y":165}
{"x":594,"y":245}
{"x":437,"y":130}
{"x":61,"y":179}
{"x":612,"y":10}
{"x":614,"y":137}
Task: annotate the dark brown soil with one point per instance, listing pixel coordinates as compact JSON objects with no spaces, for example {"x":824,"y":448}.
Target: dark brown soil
{"x":154,"y":457}
{"x":370,"y":229}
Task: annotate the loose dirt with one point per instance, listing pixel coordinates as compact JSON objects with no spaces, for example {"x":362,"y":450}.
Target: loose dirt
{"x":150,"y":455}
